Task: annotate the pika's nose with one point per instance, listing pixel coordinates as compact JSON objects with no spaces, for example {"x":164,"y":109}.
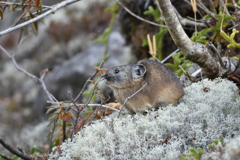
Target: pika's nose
{"x":107,"y":77}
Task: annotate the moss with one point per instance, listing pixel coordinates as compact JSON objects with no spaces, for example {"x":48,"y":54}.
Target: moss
{"x":208,"y":110}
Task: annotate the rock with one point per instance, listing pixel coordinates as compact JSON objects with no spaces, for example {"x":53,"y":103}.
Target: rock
{"x":72,"y":74}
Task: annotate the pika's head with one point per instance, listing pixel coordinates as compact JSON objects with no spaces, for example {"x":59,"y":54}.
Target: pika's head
{"x":124,"y":76}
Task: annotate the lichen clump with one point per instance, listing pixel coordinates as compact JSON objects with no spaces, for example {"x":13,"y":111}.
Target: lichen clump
{"x":209,"y":110}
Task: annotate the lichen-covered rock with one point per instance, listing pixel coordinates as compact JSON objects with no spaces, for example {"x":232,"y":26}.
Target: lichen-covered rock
{"x":208,"y":110}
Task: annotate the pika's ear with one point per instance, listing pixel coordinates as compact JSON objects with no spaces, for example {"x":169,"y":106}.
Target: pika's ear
{"x":138,"y":71}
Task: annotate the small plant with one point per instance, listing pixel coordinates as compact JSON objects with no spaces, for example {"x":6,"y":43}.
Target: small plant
{"x":196,"y":154}
{"x":230,"y":38}
{"x":68,"y":117}
{"x":204,"y":37}
{"x":179,"y":59}
{"x":162,"y":31}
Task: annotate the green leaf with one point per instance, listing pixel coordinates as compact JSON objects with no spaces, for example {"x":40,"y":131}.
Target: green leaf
{"x":34,"y":150}
{"x":154,"y":12}
{"x":210,"y":146}
{"x":15,"y":157}
{"x":51,"y":109}
{"x":114,"y":9}
{"x":145,"y":43}
{"x":101,"y":95}
{"x":215,"y":142}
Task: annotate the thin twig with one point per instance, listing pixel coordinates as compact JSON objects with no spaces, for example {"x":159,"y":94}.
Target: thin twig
{"x":79,"y":111}
{"x":131,"y":97}
{"x":51,"y":136}
{"x":216,"y":53}
{"x":5,"y":51}
{"x":169,"y":56}
{"x":37,"y":13}
{"x":14,"y":150}
{"x":235,"y":5}
{"x":187,"y":22}
{"x":96,"y":110}
{"x":87,"y":81}
{"x":21,"y":4}
{"x":52,"y":10}
{"x":5,"y":157}
{"x":206,"y":10}
{"x":223,"y":6}
{"x":212,"y":6}
{"x":198,"y":20}
{"x":194,"y":75}
{"x":35,"y":78}
{"x":72,"y":101}
{"x":140,"y":18}
{"x":24,"y":12}
{"x":78,"y":114}
{"x":90,"y":105}
{"x":234,"y":26}
{"x":186,"y":73}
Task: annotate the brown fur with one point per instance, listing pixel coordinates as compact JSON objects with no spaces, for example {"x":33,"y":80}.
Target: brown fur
{"x":163,"y":86}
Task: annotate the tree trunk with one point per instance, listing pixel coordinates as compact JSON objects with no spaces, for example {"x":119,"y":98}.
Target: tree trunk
{"x":196,"y":52}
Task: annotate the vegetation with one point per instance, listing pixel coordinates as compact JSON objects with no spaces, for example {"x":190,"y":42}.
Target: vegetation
{"x":73,"y":123}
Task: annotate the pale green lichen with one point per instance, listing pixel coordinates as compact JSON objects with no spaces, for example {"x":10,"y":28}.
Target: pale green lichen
{"x":199,"y":118}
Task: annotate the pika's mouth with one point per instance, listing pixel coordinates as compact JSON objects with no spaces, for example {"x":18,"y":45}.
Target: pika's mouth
{"x":109,"y":79}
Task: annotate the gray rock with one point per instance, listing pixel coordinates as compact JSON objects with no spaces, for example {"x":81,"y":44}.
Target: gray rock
{"x":72,"y":74}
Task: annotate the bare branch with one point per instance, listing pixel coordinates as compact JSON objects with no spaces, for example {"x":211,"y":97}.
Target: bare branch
{"x":52,"y":10}
{"x":90,"y":105}
{"x":234,"y":26}
{"x":212,"y":6}
{"x":79,"y":111}
{"x":223,"y":6}
{"x":194,"y":75}
{"x":235,"y":5}
{"x":187,"y":22}
{"x":35,"y":78}
{"x":140,"y":18}
{"x":14,"y":150}
{"x":205,"y":9}
{"x":186,"y":73}
{"x":104,"y":106}
{"x":131,"y":97}
{"x":169,"y":56}
{"x":5,"y":157}
{"x":5,"y":51}
{"x":216,"y":53}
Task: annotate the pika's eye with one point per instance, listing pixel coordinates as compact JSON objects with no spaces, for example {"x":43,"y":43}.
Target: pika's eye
{"x":116,"y":71}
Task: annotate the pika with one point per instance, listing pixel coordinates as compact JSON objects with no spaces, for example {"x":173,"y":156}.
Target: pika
{"x":162,"y":88}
